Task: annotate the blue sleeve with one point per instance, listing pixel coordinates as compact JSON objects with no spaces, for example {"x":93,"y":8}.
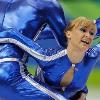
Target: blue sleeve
{"x":44,"y":57}
{"x":95,"y":51}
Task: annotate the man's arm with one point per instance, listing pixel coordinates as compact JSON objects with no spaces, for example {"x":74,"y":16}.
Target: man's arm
{"x":43,"y":56}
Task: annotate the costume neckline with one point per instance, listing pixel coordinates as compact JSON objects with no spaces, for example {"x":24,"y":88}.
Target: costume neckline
{"x":73,"y":65}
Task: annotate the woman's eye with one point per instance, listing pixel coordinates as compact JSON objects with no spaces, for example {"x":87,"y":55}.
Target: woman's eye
{"x":83,"y":30}
{"x":91,"y":33}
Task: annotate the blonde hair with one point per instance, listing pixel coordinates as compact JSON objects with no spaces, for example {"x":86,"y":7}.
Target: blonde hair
{"x":80,"y":21}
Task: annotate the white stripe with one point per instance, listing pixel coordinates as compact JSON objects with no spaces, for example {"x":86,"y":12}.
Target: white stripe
{"x":32,"y":52}
{"x":39,"y":32}
{"x":8,"y":59}
{"x":45,"y":90}
{"x":56,"y":38}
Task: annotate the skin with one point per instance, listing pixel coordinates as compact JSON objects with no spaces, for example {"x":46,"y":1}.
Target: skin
{"x":81,"y":33}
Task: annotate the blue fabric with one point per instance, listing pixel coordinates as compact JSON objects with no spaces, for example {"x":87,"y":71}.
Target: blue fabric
{"x":55,"y":69}
{"x":14,"y":86}
{"x":38,"y":15}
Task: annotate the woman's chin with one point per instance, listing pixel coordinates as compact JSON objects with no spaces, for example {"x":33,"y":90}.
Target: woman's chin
{"x":84,"y":48}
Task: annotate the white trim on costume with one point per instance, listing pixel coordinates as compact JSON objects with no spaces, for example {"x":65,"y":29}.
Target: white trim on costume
{"x":32,"y":52}
{"x":8,"y":59}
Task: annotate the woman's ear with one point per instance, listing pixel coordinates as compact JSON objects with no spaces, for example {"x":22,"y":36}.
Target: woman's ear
{"x":68,"y":34}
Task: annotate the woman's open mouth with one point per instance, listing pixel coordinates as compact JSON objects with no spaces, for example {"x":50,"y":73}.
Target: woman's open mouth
{"x":86,"y":42}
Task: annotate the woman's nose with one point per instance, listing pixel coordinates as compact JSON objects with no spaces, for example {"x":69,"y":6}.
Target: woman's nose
{"x":88,"y":34}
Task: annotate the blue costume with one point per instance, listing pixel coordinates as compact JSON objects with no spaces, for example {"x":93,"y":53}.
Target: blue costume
{"x":55,"y":63}
{"x":15,"y":74}
{"x":28,"y":17}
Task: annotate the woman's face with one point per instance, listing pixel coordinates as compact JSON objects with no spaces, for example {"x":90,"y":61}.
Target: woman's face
{"x":81,"y":37}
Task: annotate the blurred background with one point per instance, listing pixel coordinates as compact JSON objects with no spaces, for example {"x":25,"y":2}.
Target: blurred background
{"x":73,"y":9}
